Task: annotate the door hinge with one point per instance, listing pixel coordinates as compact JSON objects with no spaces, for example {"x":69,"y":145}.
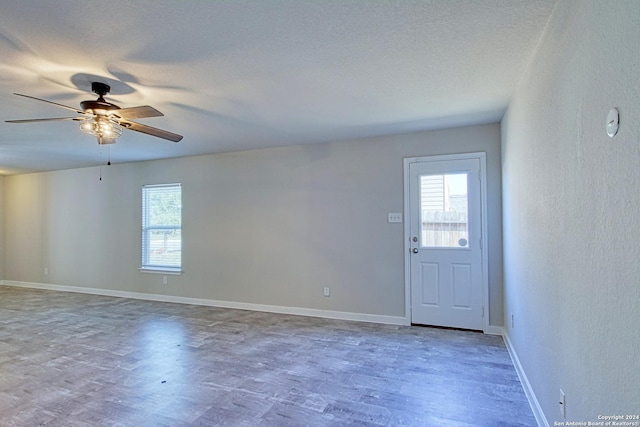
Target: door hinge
{"x":481,"y":244}
{"x":483,"y":312}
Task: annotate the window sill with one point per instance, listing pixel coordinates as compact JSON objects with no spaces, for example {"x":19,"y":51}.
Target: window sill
{"x":160,"y":270}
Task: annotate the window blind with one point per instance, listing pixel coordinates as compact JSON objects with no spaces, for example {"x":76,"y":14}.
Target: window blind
{"x":162,"y":227}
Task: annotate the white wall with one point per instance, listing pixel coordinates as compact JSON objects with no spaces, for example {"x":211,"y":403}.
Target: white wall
{"x":269,"y":227}
{"x":571,"y":203}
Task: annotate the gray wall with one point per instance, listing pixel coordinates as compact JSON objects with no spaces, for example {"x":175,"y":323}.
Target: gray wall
{"x":270,"y":226}
{"x":571,"y":200}
{"x":2,"y":227}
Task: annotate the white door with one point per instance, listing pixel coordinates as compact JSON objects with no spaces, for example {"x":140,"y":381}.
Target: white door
{"x":445,"y":242}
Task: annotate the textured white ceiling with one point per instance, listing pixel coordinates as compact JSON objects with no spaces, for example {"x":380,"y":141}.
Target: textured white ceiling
{"x":236,"y":75}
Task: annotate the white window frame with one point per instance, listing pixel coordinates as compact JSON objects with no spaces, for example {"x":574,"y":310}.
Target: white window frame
{"x":146,"y":267}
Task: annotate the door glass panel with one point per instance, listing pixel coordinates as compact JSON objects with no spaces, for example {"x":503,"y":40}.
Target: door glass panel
{"x":444,"y":211}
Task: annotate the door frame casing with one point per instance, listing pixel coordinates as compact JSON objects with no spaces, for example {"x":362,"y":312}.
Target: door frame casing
{"x":482,"y":158}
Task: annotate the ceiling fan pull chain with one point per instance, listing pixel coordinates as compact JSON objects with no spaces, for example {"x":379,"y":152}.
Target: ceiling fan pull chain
{"x":100,"y":151}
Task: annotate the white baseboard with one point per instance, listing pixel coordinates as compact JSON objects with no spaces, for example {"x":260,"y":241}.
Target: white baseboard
{"x":528,"y":391}
{"x":327,"y":314}
{"x":494,"y":330}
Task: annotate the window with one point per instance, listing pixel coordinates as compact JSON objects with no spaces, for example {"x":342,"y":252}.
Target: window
{"x":162,"y":227}
{"x":444,"y":210}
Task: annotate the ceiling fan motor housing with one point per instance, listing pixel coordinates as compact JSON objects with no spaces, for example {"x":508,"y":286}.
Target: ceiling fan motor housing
{"x":99,"y":106}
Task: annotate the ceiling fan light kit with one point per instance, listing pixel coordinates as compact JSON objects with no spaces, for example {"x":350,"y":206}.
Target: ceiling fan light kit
{"x":105,"y":130}
{"x":107,"y":121}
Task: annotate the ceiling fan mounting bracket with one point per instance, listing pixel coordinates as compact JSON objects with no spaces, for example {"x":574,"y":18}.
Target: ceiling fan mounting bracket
{"x":99,"y":88}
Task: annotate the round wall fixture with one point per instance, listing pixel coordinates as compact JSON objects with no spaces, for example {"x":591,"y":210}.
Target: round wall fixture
{"x":613,"y":121}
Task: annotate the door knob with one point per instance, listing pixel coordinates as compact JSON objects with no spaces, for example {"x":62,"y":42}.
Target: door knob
{"x":415,"y":250}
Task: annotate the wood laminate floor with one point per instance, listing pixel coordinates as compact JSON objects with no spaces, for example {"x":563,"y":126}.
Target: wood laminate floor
{"x":70,"y":359}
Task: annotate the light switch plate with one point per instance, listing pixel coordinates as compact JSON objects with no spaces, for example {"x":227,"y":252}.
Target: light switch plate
{"x":395,"y":218}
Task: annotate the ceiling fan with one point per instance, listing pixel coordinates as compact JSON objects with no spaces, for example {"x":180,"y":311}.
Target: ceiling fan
{"x":105,"y":120}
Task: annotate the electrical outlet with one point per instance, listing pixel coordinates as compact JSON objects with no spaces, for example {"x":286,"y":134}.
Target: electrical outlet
{"x":563,"y":404}
{"x":46,"y":270}
{"x":164,"y":280}
{"x":327,"y":292}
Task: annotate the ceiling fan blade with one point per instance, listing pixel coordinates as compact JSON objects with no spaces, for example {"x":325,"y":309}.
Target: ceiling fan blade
{"x":54,"y":119}
{"x":138,"y":127}
{"x":51,"y":102}
{"x":141,"y":112}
